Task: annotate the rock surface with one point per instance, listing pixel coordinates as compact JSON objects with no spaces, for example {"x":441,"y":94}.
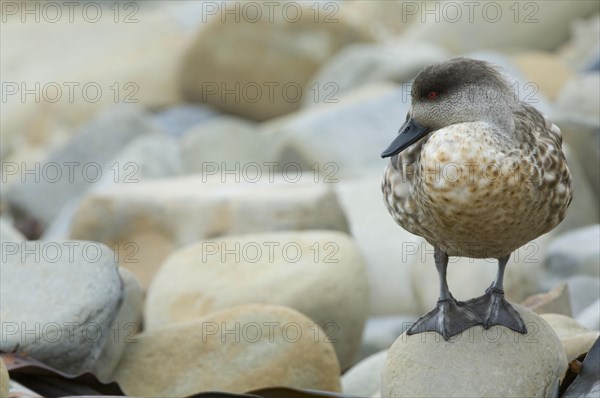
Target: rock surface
{"x":581,"y":96}
{"x":77,"y":166}
{"x":364,"y":121}
{"x":584,"y":137}
{"x":105,"y":62}
{"x":4,"y":380}
{"x":563,"y":261}
{"x":71,"y":326}
{"x":225,"y":142}
{"x":8,"y":233}
{"x":364,"y":378}
{"x":590,"y":316}
{"x":178,"y":119}
{"x":258,"y":67}
{"x":381,"y":332}
{"x":362,"y":64}
{"x":234,"y":350}
{"x":127,"y":323}
{"x":555,"y":301}
{"x":318,"y":273}
{"x":583,"y":290}
{"x":502,"y":362}
{"x":547,"y":71}
{"x":575,"y":338}
{"x":463,"y":27}
{"x":145,"y":222}
{"x":389,"y":250}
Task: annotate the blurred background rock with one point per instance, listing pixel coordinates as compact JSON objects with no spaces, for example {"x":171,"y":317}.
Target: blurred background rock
{"x":152,"y":103}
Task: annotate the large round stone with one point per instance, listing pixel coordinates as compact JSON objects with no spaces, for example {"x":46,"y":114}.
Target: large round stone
{"x":235,"y":350}
{"x":254,"y":59}
{"x":497,"y":362}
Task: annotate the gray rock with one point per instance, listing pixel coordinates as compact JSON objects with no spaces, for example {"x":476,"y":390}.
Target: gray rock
{"x":225,"y":143}
{"x":583,"y":136}
{"x":381,"y":332}
{"x":583,"y":210}
{"x":581,"y":52}
{"x":361,"y":64}
{"x":127,"y":323}
{"x":74,"y":294}
{"x":77,"y":166}
{"x":344,"y":139}
{"x":575,"y":252}
{"x":8,"y":233}
{"x":496,"y":362}
{"x":580,"y":97}
{"x":389,"y":250}
{"x":176,"y":120}
{"x":364,"y":378}
{"x":584,"y":290}
{"x":590,"y":316}
{"x":150,"y":156}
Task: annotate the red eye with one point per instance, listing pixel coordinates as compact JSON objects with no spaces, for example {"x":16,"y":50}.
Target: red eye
{"x":432,"y":95}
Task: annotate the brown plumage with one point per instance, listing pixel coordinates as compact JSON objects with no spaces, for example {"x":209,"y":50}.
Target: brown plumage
{"x":487,"y":176}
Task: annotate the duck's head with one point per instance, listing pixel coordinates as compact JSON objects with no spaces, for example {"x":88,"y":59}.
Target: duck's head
{"x":456,"y":91}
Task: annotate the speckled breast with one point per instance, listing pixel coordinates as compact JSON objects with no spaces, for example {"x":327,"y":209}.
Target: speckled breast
{"x":472,"y":195}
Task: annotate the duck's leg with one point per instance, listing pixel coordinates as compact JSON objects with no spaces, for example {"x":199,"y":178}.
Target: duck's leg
{"x":493,"y":308}
{"x":449,"y":317}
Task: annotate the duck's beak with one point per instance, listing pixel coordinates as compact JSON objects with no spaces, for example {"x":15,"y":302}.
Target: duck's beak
{"x":409,"y":133}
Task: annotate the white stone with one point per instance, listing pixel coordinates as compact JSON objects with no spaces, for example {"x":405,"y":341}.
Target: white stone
{"x":389,"y":250}
{"x":476,"y":363}
{"x":364,"y":378}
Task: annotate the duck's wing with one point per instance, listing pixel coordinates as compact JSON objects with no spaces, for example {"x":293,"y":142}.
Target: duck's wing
{"x":541,"y":142}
